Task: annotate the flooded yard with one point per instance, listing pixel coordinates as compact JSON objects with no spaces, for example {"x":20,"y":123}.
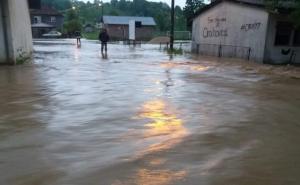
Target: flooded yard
{"x":142,"y":117}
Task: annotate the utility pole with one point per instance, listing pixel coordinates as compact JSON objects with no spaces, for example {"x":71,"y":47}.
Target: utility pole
{"x":172,"y":25}
{"x":101,"y":19}
{"x":102,"y":11}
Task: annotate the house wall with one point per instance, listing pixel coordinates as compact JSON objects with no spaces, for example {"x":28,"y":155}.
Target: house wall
{"x":59,"y":21}
{"x":18,"y":42}
{"x":47,"y":19}
{"x":237,"y":28}
{"x":120,"y":32}
{"x":273,"y":54}
{"x":38,"y":32}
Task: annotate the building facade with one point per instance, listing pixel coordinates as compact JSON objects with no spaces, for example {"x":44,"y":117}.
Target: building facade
{"x":15,"y":32}
{"x":245,"y":29}
{"x":44,"y":20}
{"x":118,"y":27}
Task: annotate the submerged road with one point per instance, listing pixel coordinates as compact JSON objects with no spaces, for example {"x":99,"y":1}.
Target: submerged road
{"x":141,"y":118}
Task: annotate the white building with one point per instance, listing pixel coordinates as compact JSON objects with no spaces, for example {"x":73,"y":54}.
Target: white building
{"x":246,"y":29}
{"x":15,"y":31}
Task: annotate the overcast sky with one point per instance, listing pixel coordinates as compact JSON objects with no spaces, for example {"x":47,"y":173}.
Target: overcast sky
{"x":177,"y":2}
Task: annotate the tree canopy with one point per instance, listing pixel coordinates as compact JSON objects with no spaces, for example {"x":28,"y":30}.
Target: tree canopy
{"x":191,"y":7}
{"x":293,"y":5}
{"x":90,"y":12}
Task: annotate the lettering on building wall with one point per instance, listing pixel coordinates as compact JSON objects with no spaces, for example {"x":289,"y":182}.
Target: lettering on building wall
{"x":216,"y":20}
{"x":215,"y":31}
{"x":253,"y":26}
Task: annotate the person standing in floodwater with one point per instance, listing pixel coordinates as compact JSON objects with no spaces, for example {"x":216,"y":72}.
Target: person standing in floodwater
{"x":78,"y":38}
{"x":104,"y":38}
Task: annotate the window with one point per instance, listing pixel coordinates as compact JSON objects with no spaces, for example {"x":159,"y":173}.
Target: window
{"x":53,"y":19}
{"x":283,"y":33}
{"x":296,"y":40}
{"x":37,"y":19}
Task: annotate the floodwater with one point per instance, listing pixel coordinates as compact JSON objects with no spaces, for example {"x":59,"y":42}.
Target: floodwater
{"x":141,"y":117}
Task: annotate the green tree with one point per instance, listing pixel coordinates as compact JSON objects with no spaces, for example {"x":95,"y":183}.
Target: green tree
{"x":58,"y":4}
{"x":296,"y":15}
{"x":114,"y":3}
{"x":191,"y":7}
{"x":114,"y":12}
{"x":180,"y":20}
{"x":90,"y":12}
{"x":72,"y":22}
{"x":293,"y":5}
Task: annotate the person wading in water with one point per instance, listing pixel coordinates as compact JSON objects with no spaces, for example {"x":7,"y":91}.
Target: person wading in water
{"x":78,"y":38}
{"x":104,"y":38}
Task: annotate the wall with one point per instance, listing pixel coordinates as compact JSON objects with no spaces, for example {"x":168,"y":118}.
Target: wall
{"x":273,"y":54}
{"x":59,"y":21}
{"x":19,"y":30}
{"x":120,"y":32}
{"x":117,"y":32}
{"x":38,"y":32}
{"x":15,"y":34}
{"x":237,"y":27}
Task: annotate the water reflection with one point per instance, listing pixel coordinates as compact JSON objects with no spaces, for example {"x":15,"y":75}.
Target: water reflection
{"x":163,"y":120}
{"x":158,"y":177}
{"x":185,"y":65}
{"x":77,"y":54}
{"x":168,"y":130}
{"x":199,"y":68}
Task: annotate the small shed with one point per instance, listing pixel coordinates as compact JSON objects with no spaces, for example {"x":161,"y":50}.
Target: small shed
{"x":118,"y":27}
{"x":88,"y":28}
{"x":246,"y":29}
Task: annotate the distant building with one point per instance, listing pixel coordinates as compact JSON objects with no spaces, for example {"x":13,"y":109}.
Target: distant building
{"x":246,"y":29}
{"x":118,"y":27}
{"x":88,"y":28}
{"x":44,"y":20}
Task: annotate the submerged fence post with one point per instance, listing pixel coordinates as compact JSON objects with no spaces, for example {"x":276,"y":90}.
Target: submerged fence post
{"x":249,"y":53}
{"x":220,"y":51}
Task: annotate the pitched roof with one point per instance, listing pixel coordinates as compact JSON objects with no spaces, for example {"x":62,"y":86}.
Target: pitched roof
{"x":124,"y":20}
{"x":42,"y":25}
{"x":45,"y":11}
{"x":283,"y":8}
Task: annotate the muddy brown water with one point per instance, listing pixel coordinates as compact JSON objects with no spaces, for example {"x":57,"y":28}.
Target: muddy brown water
{"x":140,"y":118}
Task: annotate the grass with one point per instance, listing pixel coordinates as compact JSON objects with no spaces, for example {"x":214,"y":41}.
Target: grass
{"x":22,"y":58}
{"x":91,"y":36}
{"x":176,"y":51}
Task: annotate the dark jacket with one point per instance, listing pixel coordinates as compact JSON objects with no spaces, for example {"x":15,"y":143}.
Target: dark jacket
{"x":77,"y":34}
{"x":103,"y":37}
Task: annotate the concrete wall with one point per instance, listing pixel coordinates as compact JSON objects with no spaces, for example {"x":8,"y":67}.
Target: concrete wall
{"x":273,"y":53}
{"x":237,"y":27}
{"x":20,"y":28}
{"x":17,"y":38}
